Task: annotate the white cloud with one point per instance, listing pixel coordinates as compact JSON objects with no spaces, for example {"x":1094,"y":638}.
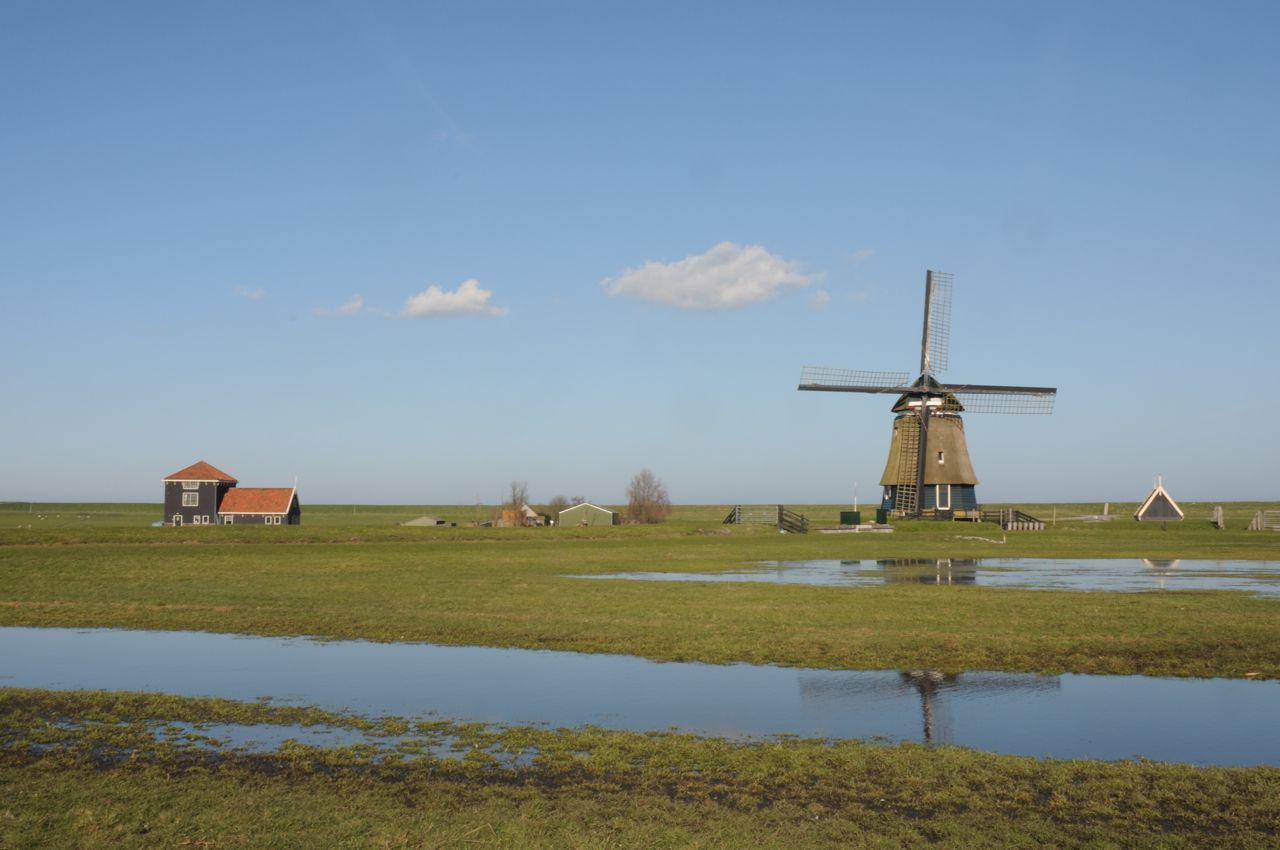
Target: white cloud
{"x":821,"y":298}
{"x":467,"y":299}
{"x":862,"y":255}
{"x":256,"y":294}
{"x":352,"y":308}
{"x":727,"y":276}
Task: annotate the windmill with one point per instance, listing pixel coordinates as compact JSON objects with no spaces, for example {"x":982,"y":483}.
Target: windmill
{"x":928,"y":471}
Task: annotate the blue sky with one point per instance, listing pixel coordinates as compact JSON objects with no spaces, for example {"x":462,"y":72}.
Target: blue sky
{"x":410,"y":252}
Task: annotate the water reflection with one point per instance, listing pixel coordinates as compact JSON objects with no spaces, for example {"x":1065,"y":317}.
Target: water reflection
{"x":934,"y":688}
{"x":1061,"y":716}
{"x":930,"y":571}
{"x":1160,"y":571}
{"x":1100,"y":574}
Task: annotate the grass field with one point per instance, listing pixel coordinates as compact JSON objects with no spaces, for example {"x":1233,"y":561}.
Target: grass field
{"x":142,"y":514}
{"x":355,"y":572}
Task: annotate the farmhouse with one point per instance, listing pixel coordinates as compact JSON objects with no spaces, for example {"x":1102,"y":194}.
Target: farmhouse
{"x":202,"y":494}
{"x":586,"y":514}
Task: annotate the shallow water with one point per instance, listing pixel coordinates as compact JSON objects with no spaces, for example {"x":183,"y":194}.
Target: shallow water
{"x":1126,"y":575}
{"x":1203,"y":721}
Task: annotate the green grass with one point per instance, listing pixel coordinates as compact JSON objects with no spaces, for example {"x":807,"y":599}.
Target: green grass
{"x":108,"y":782}
{"x":510,"y":587}
{"x":97,"y":515}
{"x":358,"y":573}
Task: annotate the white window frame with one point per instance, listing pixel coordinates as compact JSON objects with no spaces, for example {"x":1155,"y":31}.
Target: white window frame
{"x":205,"y":519}
{"x":228,"y":519}
{"x":177,"y":520}
{"x":190,"y":500}
{"x":190,"y":485}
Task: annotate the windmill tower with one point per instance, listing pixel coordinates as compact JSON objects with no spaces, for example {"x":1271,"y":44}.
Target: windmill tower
{"x":928,"y":472}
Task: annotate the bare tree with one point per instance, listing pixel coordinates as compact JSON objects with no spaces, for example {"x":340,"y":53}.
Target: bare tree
{"x":519,"y":495}
{"x":512,"y":515}
{"x":554,"y":506}
{"x":647,"y":499}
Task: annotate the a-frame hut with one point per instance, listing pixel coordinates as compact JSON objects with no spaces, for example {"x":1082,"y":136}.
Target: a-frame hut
{"x":1159,"y":506}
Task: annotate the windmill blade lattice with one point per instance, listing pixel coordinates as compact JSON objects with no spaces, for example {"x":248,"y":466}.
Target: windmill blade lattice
{"x":1010,"y":402}
{"x":938,"y":335}
{"x":852,"y":380}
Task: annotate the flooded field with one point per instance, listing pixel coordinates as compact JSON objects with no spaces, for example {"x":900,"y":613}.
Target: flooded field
{"x":1069,"y":716}
{"x":1125,"y":575}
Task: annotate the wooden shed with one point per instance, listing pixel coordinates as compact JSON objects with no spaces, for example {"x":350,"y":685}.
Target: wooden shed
{"x":260,"y":506}
{"x":586,"y":514}
{"x":1159,"y":506}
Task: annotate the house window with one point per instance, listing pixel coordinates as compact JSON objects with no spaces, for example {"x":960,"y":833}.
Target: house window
{"x":190,"y":500}
{"x":228,"y":519}
{"x":190,"y":485}
{"x":205,"y":520}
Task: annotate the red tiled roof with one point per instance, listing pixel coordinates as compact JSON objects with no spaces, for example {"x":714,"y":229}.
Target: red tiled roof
{"x":257,"y":500}
{"x":200,"y":471}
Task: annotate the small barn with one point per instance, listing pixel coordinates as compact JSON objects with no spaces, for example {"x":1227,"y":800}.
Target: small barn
{"x":260,"y":506}
{"x":525,"y":517}
{"x":1159,"y":506}
{"x":586,"y":514}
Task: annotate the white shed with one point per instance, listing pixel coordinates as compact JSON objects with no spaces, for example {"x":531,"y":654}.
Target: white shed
{"x":586,"y":514}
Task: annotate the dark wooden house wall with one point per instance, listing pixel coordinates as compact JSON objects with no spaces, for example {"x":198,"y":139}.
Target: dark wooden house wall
{"x":209,"y":495}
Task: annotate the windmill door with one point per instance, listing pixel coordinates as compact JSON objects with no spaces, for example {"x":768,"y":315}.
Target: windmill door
{"x":942,"y":501}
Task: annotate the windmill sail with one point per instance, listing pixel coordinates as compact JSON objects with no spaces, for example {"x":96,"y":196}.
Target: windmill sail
{"x":852,"y":380}
{"x":935,"y":342}
{"x":1012,"y":401}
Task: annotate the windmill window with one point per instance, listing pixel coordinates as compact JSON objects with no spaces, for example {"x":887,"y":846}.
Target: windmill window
{"x":190,"y":500}
{"x":942,"y":457}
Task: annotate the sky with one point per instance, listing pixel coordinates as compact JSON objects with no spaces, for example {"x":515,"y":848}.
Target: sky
{"x":408,"y":252}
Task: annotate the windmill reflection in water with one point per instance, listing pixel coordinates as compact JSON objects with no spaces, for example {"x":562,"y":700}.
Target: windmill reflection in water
{"x":936,"y":689}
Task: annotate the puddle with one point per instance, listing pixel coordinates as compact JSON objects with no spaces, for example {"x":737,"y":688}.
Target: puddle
{"x":269,"y":737}
{"x":1125,"y":575}
{"x":258,"y":738}
{"x":1070,"y":716}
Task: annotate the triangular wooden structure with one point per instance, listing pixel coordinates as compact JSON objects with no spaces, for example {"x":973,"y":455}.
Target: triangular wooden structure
{"x":1159,"y":506}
